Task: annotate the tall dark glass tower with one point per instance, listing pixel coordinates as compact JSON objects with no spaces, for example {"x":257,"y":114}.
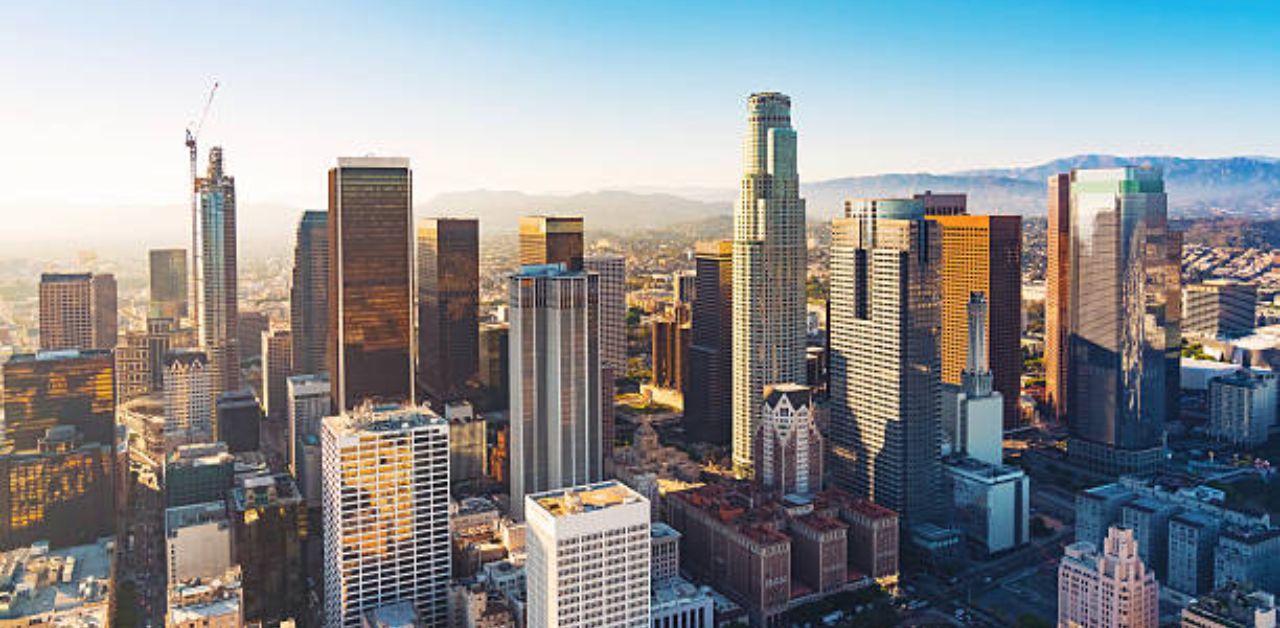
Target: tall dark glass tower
{"x":371,"y":341}
{"x":219,"y":312}
{"x":448,"y":303}
{"x":709,"y":398}
{"x":309,"y":295}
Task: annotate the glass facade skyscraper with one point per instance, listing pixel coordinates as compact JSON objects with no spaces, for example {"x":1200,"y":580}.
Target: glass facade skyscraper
{"x":168,"y":269}
{"x":309,"y":294}
{"x":217,"y":275}
{"x":1124,"y":313}
{"x":448,"y":306}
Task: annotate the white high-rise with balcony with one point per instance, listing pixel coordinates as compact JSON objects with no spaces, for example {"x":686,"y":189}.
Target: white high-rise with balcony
{"x":588,"y":557}
{"x":769,"y":263}
{"x":386,"y":513}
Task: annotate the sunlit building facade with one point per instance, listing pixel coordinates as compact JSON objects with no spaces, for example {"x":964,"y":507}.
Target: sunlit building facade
{"x":448,"y":306}
{"x":551,"y":240}
{"x":188,"y":399}
{"x":77,"y":311}
{"x":168,"y":284}
{"x":51,"y":388}
{"x":63,"y":491}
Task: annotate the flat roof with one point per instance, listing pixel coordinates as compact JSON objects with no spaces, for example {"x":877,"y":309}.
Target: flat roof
{"x":588,"y":498}
{"x":373,"y":162}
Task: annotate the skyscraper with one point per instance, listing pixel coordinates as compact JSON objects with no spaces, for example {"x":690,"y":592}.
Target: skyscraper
{"x":239,"y":421}
{"x":984,"y":254}
{"x":216,"y":275}
{"x":386,"y":513}
{"x":277,"y":366}
{"x":1111,"y":587}
{"x":52,"y":388}
{"x":769,"y":261}
{"x":250,"y":326}
{"x":309,"y":403}
{"x":188,"y":399}
{"x":708,"y":401}
{"x":1123,"y":312}
{"x":1057,"y":295}
{"x":495,"y":369}
{"x":61,"y":492}
{"x":885,"y":320}
{"x":77,"y":311}
{"x":309,"y":294}
{"x":613,"y":308}
{"x":556,"y":433}
{"x":943,"y":204}
{"x":448,"y":306}
{"x":789,"y":447}
{"x":267,"y":521}
{"x":551,"y":240}
{"x":588,"y":563}
{"x":371,"y":340}
{"x":168,"y":269}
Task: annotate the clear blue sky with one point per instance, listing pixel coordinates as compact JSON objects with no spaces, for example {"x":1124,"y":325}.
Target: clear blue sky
{"x":566,"y":96}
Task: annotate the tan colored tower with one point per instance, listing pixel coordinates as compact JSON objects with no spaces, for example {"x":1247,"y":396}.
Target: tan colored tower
{"x":551,"y":240}
{"x":1057,"y":295}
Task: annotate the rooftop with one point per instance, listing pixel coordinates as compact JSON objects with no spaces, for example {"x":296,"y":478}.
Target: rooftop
{"x":36,"y":581}
{"x":60,"y":354}
{"x":195,"y":514}
{"x":583,"y":499}
{"x":383,"y":418}
{"x":659,"y":530}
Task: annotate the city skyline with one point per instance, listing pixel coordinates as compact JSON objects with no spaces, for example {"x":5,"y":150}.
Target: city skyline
{"x":266,"y":107}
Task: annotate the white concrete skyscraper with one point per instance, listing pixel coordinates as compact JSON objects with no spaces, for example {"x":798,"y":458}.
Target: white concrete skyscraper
{"x":386,"y":513}
{"x":769,"y":261}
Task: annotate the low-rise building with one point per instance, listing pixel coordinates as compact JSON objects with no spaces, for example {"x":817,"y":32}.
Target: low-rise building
{"x":65,"y":587}
{"x":990,"y":502}
{"x":216,"y":602}
{"x":1242,"y":407}
{"x":1231,"y":607}
{"x":197,"y":541}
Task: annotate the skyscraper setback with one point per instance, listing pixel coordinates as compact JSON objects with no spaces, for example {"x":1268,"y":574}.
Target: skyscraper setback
{"x":448,"y":306}
{"x":371,"y":341}
{"x":885,"y":384}
{"x":1124,"y":314}
{"x":309,"y":294}
{"x":216,"y":274}
{"x":769,"y":261}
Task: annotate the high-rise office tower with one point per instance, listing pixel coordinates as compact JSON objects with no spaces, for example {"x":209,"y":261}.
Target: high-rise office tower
{"x":1057,"y":295}
{"x":555,"y":384}
{"x":708,"y":401}
{"x":51,"y":388}
{"x":249,"y":329}
{"x":133,"y":366}
{"x":309,"y":294}
{"x":551,"y":240}
{"x":1124,"y":312}
{"x":613,"y":308}
{"x":219,"y":315}
{"x":448,"y":306}
{"x":188,"y":398}
{"x":769,"y":261}
{"x":494,"y":365}
{"x":1111,"y":587}
{"x":371,"y":340}
{"x":972,"y":411}
{"x":943,"y":204}
{"x":168,"y":270}
{"x":309,"y":403}
{"x":61,"y":492}
{"x":268,"y":517}
{"x":386,"y":513}
{"x":789,"y":447}
{"x":77,"y":311}
{"x":671,"y":333}
{"x":588,"y":563}
{"x":684,"y":286}
{"x":1219,"y":308}
{"x":984,"y":254}
{"x":885,"y":319}
{"x":277,"y":366}
{"x":161,"y":333}
{"x":239,"y":421}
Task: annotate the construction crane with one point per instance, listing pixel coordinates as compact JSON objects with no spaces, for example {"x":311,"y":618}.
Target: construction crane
{"x":193,"y":136}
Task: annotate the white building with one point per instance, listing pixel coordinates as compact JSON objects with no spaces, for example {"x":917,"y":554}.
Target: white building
{"x":788,"y":446}
{"x":1242,"y":407}
{"x":1112,"y":588}
{"x":555,"y":383}
{"x":588,"y":557}
{"x":769,"y":266}
{"x":386,"y":512}
{"x":197,"y":541}
{"x":991,"y":503}
{"x":309,"y":403}
{"x":188,"y":399}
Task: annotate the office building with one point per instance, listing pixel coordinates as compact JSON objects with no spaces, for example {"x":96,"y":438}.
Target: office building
{"x":218,"y":314}
{"x":670,"y":336}
{"x":197,"y":541}
{"x":143,"y":421}
{"x":448,"y":306}
{"x":77,"y":311}
{"x":207,"y":602}
{"x":194,"y":474}
{"x":277,"y":366}
{"x":588,"y":557}
{"x":613,"y":308}
{"x":188,"y":398}
{"x":163,"y":335}
{"x":51,"y":388}
{"x":1193,"y":537}
{"x":551,"y":240}
{"x":62,"y":492}
{"x":64,"y":587}
{"x":990,"y":503}
{"x":1057,"y":295}
{"x":937,"y":205}
{"x":1111,"y":587}
{"x":309,"y":403}
{"x":239,"y":422}
{"x":268,"y":521}
{"x":371,"y":340}
{"x":1247,"y":555}
{"x":1231,"y":607}
{"x":884,"y":322}
{"x":555,"y":404}
{"x":1124,"y":338}
{"x":385,"y":508}
{"x":769,"y":266}
{"x":709,"y":396}
{"x":1219,"y":308}
{"x":1149,"y":517}
{"x":983,"y":254}
{"x":249,"y":330}
{"x":789,"y":448}
{"x":494,"y":366}
{"x":168,"y":284}
{"x":309,"y":294}
{"x":684,"y":286}
{"x":133,"y":366}
{"x":468,"y":447}
{"x":972,"y":411}
{"x":1242,"y":407}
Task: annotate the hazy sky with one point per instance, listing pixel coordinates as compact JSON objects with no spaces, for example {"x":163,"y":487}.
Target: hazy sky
{"x":567,"y":96}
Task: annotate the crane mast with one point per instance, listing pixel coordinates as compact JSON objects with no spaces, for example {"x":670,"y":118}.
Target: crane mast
{"x":193,"y":136}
